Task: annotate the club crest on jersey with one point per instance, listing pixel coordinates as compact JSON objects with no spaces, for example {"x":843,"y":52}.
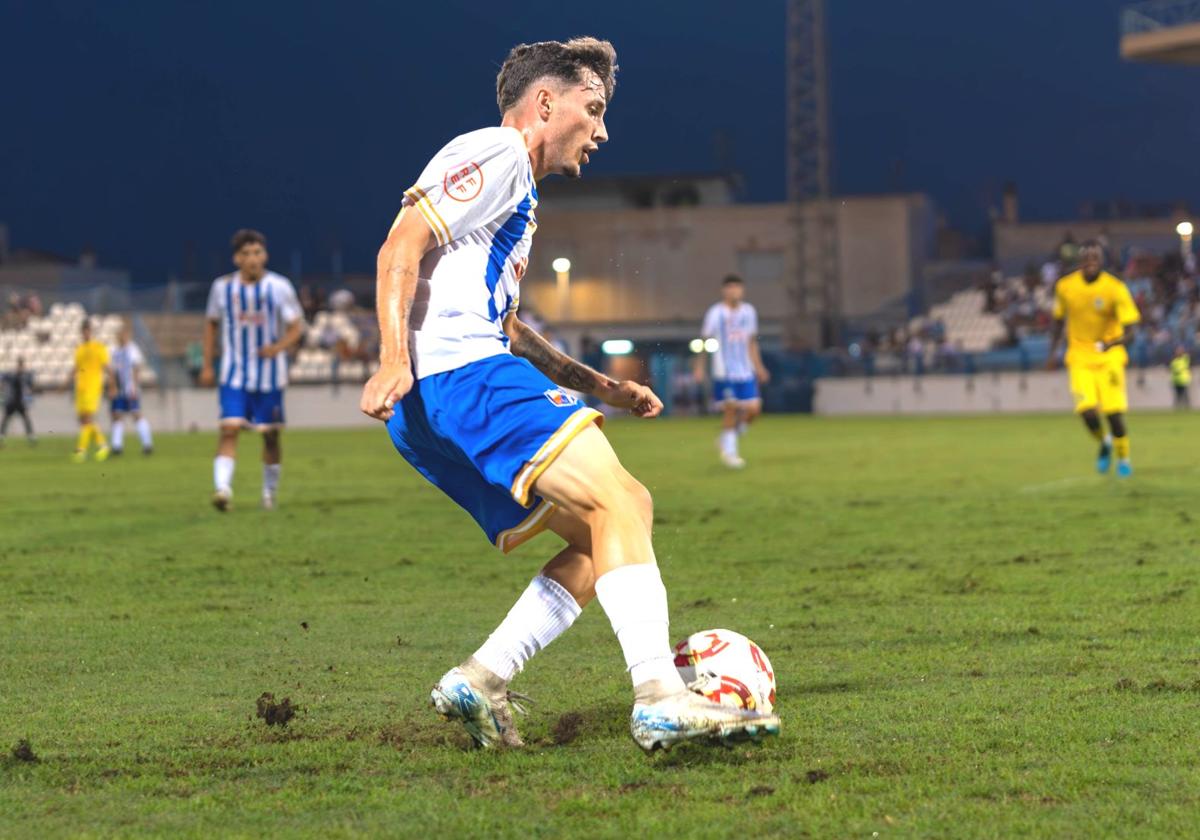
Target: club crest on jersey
{"x":463,"y":183}
{"x":1099,"y":302}
{"x":561,"y":398}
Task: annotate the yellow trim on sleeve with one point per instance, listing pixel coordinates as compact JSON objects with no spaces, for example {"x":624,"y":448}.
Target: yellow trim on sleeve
{"x":434,"y":219}
{"x":554,"y":445}
{"x":529,"y":528}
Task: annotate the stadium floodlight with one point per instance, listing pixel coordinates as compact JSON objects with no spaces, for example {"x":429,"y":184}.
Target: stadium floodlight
{"x":711,"y":345}
{"x":696,"y":345}
{"x":561,"y":265}
{"x":617,"y":347}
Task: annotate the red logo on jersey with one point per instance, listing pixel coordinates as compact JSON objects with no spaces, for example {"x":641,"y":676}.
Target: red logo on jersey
{"x":519,"y":267}
{"x":463,"y":183}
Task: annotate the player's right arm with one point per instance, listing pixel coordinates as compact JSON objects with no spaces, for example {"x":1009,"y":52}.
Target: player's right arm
{"x":1056,"y":334}
{"x":395,"y":286}
{"x":212,"y":322}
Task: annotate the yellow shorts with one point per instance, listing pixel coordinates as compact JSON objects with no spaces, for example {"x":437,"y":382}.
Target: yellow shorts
{"x":87,"y":401}
{"x":1099,"y":387}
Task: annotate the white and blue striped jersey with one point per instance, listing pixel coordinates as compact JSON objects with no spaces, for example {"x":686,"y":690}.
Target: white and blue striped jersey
{"x":478,"y":197}
{"x":124,"y":360}
{"x":250,"y":316}
{"x":733,"y":329}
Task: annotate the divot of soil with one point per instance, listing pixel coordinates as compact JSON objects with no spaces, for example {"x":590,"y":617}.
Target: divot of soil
{"x":760,"y":790}
{"x":567,"y":728}
{"x":21,"y":751}
{"x":272,"y":713}
{"x":304,"y":625}
{"x":814,"y":776}
{"x":1125,"y":684}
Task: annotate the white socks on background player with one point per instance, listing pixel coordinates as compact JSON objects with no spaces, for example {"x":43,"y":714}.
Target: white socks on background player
{"x":543,"y":613}
{"x":635,"y":601}
{"x":270,"y":479}
{"x":143,"y":430}
{"x":729,"y":442}
{"x":118,"y":436}
{"x":223,"y":475}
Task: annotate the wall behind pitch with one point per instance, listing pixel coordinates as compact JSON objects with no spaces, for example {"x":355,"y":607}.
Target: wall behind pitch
{"x":987,"y":393}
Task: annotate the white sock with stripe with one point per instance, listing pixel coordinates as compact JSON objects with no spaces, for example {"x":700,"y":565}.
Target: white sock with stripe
{"x":544,"y":612}
{"x":223,"y":473}
{"x":635,"y":601}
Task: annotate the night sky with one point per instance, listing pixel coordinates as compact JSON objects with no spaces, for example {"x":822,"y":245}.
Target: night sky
{"x":139,"y":127}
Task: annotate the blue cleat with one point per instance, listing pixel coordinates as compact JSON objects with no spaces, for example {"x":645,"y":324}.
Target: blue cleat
{"x":1124,"y":468}
{"x":486,"y":715}
{"x":1104,"y":459}
{"x":689,"y":717}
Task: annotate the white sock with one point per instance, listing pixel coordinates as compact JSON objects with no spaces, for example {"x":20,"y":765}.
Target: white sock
{"x":143,"y":430}
{"x":741,"y":427}
{"x":635,"y":601}
{"x":543,"y":613}
{"x":118,"y":435}
{"x":270,"y":478}
{"x":729,"y":441}
{"x":223,"y":473}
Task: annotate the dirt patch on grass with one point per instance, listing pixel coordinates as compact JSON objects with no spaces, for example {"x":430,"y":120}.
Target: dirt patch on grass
{"x":273,"y":713}
{"x":22,"y":751}
{"x":566,"y":728}
{"x":760,"y":790}
{"x":815,"y":776}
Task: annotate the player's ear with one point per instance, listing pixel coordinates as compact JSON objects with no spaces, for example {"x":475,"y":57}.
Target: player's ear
{"x":545,"y":103}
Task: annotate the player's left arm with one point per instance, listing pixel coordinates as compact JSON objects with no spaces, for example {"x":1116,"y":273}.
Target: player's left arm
{"x":760,"y":369}
{"x":292,"y":333}
{"x":1128,"y":316}
{"x":569,"y":373}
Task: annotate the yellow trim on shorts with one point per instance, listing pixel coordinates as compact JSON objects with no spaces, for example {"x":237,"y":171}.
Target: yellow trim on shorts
{"x":578,"y":421}
{"x":530,"y":527}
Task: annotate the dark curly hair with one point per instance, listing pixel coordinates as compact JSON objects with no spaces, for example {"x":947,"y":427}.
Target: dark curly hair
{"x":526,"y":63}
{"x":246,"y":236}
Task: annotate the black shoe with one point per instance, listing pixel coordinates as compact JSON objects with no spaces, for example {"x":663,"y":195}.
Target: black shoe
{"x":149,"y":450}
{"x":115,"y":452}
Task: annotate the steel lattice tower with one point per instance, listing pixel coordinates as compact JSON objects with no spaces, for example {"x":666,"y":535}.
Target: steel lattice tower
{"x":813,"y":268}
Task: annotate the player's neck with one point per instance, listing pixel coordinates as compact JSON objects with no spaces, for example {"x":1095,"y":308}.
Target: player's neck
{"x":535,"y":144}
{"x":249,"y":279}
{"x":1093,"y":278}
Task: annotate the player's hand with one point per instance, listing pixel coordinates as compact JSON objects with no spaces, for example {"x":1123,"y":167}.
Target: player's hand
{"x":268,"y":351}
{"x":206,"y":376}
{"x":764,"y":376}
{"x":386,"y":388}
{"x":639,"y":399}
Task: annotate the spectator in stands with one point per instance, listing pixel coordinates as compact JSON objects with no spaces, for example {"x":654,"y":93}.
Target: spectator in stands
{"x":195,"y":360}
{"x":1181,"y":377}
{"x":308,"y":303}
{"x":18,"y":395}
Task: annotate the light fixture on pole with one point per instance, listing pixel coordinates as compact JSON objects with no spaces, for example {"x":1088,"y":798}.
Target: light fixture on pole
{"x":562,"y":271}
{"x":1184,"y":229}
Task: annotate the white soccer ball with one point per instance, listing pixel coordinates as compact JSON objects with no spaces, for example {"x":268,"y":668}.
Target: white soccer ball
{"x":727,"y":668}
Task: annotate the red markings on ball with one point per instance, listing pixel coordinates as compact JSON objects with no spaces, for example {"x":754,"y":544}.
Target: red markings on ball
{"x":463,"y":183}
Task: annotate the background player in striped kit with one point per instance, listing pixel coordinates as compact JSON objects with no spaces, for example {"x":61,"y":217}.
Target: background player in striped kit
{"x":123,"y":390}
{"x":737,"y":366}
{"x":259,"y":319}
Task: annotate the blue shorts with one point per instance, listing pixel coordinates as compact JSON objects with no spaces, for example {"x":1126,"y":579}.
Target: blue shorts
{"x":252,"y":408}
{"x":483,"y":433}
{"x":126,"y":405}
{"x":725,"y":390}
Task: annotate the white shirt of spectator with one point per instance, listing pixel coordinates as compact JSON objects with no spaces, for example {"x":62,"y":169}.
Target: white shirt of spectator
{"x":478,"y":197}
{"x":124,"y":360}
{"x":733,"y":329}
{"x":251,"y":316}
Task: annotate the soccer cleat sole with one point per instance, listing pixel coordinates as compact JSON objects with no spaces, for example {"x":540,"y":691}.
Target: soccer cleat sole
{"x":728,"y":734}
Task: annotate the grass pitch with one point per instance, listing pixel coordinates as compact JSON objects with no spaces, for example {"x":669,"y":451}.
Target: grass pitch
{"x":974,"y":636}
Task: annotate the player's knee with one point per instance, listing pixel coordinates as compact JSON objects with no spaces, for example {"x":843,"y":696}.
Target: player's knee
{"x":640,"y":499}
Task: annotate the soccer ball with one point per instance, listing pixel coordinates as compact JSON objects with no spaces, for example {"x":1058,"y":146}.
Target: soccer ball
{"x":727,"y":668}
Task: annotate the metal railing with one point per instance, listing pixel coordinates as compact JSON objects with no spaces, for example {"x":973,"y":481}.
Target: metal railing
{"x":1158,"y":14}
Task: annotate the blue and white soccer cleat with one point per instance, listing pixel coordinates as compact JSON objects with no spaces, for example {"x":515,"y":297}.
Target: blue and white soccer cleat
{"x":1124,"y":468}
{"x":486,"y":716}
{"x":686,"y":716}
{"x":1104,"y":459}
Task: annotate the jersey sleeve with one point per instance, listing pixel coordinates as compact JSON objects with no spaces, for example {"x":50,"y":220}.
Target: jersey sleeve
{"x":466,"y":186}
{"x":289,"y":305}
{"x":752,"y":321}
{"x":1127,"y":311}
{"x":215,"y":303}
{"x":709,"y":328}
{"x":135,"y":355}
{"x":1060,"y":306}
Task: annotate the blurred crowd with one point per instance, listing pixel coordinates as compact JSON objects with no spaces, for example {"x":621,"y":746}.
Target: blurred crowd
{"x":20,"y":309}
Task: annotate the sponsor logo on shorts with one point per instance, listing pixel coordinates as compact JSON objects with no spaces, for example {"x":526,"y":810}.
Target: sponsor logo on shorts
{"x":561,"y":398}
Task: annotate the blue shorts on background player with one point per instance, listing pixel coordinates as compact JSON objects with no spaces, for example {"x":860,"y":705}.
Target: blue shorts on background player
{"x":724,"y":389}
{"x":254,"y":408}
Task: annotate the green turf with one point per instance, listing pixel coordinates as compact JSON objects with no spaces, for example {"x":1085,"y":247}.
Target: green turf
{"x":974,"y":636}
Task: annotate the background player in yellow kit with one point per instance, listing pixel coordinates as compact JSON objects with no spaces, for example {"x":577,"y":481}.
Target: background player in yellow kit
{"x":1099,"y":313}
{"x":91,"y":372}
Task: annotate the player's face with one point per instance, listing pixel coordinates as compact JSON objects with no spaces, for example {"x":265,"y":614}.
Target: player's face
{"x":576,"y":125}
{"x":123,"y":335}
{"x":251,"y":260}
{"x":732,"y":293}
{"x":1090,"y":261}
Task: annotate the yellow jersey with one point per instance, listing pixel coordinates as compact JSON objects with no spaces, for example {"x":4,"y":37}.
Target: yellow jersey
{"x":91,"y":358}
{"x":1095,"y":312}
{"x":1181,"y":370}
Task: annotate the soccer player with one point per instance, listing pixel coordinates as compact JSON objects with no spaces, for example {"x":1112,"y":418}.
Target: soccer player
{"x":477,"y":402}
{"x":259,"y":319}
{"x":127,"y":361}
{"x":1181,"y":377}
{"x":737,"y":366}
{"x":1100,"y":315}
{"x":18,"y":394}
{"x":91,"y":371}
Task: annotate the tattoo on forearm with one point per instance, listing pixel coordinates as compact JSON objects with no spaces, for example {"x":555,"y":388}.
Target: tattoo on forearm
{"x":559,"y":367}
